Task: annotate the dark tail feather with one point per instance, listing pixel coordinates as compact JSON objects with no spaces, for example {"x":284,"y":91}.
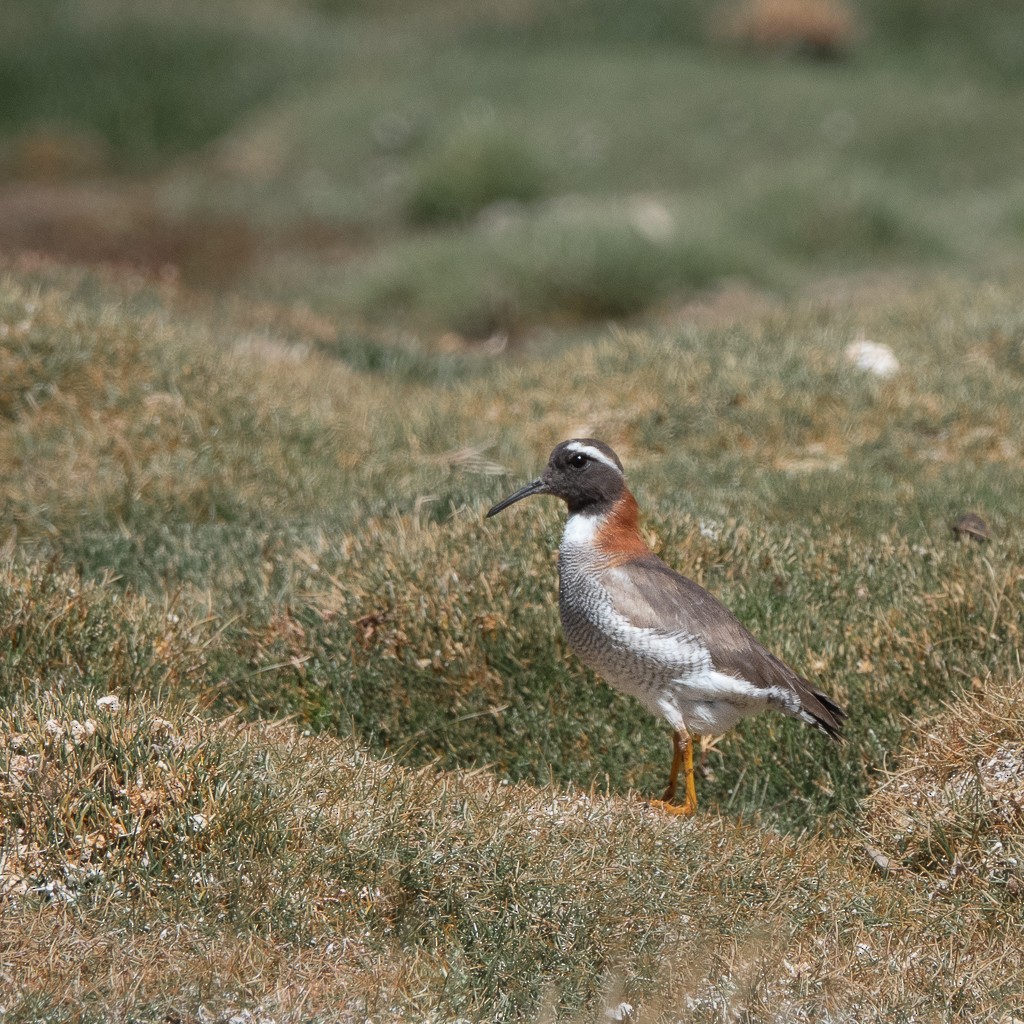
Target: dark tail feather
{"x":825,"y":713}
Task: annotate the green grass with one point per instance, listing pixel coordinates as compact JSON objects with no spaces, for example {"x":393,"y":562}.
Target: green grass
{"x":145,"y":84}
{"x":363,"y":155}
{"x":793,"y":169}
{"x":566,"y":263}
{"x":351,"y":741}
{"x":253,"y":869}
{"x":478,"y":164}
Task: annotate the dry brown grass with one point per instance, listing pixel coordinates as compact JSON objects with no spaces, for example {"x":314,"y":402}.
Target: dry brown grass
{"x":387,"y":886}
{"x":159,"y":862}
{"x":953,"y":808}
{"x":128,"y":410}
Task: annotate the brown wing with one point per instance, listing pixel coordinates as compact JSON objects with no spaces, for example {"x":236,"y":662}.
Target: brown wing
{"x":653,"y":596}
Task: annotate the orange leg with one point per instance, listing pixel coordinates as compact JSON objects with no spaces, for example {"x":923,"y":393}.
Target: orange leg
{"x":680,"y":746}
{"x":682,"y":757}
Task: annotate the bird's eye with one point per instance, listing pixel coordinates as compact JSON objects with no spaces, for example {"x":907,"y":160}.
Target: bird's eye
{"x":578,"y":461}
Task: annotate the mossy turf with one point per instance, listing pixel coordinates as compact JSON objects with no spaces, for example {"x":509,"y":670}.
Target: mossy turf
{"x":353,"y":772}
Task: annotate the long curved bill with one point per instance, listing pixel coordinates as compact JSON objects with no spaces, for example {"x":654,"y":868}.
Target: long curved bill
{"x":537,"y":487}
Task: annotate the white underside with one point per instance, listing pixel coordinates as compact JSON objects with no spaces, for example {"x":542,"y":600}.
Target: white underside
{"x":711,"y":704}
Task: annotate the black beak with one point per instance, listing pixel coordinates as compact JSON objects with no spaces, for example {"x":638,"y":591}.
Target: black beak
{"x":537,"y":487}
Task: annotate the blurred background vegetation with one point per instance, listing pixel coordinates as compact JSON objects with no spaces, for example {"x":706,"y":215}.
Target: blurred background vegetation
{"x":468,"y":170}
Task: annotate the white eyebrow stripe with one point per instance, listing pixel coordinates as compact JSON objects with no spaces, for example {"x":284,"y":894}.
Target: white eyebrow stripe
{"x":597,"y":456}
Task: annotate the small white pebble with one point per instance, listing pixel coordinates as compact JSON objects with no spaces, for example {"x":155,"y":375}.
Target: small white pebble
{"x":652,"y":219}
{"x":111,"y":703}
{"x":872,"y":357}
{"x":621,"y":1012}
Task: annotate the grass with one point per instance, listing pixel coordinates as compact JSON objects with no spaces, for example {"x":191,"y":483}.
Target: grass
{"x":414,"y":162}
{"x":772,"y":171}
{"x":478,"y":164}
{"x":796,"y":183}
{"x":288,"y":732}
{"x":350,"y":743}
{"x":952,"y":810}
{"x":565,"y":263}
{"x":141,"y":85}
{"x":252,"y":869}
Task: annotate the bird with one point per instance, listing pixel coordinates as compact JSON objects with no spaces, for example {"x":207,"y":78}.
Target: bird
{"x":651,"y":632}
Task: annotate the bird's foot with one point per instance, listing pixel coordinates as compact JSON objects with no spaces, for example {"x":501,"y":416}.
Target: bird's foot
{"x":678,"y":810}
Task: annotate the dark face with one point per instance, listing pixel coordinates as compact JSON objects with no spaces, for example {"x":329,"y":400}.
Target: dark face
{"x":586,"y":474}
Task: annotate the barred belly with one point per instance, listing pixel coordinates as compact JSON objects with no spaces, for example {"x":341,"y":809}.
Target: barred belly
{"x":671,"y":674}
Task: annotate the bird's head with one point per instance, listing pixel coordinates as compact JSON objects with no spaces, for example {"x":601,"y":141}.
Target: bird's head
{"x":586,"y":474}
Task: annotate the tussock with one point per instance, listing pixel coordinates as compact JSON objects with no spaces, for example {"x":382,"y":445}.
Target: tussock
{"x":953,"y":808}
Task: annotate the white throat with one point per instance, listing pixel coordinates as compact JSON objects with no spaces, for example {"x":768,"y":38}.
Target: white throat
{"x":581,"y":530}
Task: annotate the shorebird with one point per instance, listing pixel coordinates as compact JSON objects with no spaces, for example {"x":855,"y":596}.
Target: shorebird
{"x":651,"y":632}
